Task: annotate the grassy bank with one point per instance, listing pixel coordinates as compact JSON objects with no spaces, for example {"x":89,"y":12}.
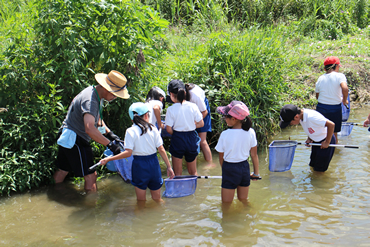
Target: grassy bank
{"x":267,"y":55}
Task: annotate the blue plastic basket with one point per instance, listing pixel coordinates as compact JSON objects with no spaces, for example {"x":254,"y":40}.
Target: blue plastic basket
{"x":346,"y":111}
{"x":180,"y":186}
{"x":281,"y":154}
{"x":346,"y":129}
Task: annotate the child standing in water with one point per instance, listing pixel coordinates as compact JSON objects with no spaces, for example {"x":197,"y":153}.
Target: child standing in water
{"x":142,"y":141}
{"x":234,"y":147}
{"x":182,"y":118}
{"x":155,"y":100}
{"x":198,"y":96}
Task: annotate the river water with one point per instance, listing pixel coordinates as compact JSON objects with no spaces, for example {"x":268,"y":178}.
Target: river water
{"x":296,"y":207}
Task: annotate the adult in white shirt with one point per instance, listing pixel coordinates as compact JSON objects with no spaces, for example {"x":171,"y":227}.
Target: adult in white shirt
{"x":332,"y":90}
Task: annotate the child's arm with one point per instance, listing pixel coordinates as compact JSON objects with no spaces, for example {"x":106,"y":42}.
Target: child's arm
{"x":169,"y":129}
{"x":125,"y":154}
{"x":255,"y":161}
{"x":163,"y":154}
{"x":330,"y":131}
{"x":157,"y":114}
{"x":221,"y":158}
{"x":199,"y":124}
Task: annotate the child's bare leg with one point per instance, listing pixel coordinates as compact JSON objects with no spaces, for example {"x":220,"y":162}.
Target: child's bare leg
{"x":177,"y":166}
{"x":156,"y":195}
{"x":192,"y":167}
{"x":205,"y":147}
{"x":242,"y":193}
{"x":140,"y":194}
{"x":227,"y":195}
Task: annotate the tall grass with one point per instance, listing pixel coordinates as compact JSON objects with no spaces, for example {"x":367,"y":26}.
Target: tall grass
{"x":16,"y":22}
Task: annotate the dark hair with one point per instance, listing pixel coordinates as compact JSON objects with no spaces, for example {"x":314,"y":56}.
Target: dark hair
{"x":190,"y":86}
{"x":155,"y":94}
{"x":182,"y":94}
{"x":144,"y":125}
{"x":330,"y":66}
{"x":246,"y":123}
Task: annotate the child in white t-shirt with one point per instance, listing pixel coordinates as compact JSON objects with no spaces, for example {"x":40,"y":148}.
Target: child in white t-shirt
{"x":142,"y":141}
{"x":182,"y":118}
{"x":155,"y":100}
{"x":198,"y":96}
{"x":235,"y":145}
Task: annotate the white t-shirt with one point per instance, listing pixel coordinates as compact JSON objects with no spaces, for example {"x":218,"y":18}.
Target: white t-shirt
{"x":151,"y":104}
{"x":313,"y":124}
{"x":182,"y":117}
{"x":197,"y":96}
{"x":145,"y":144}
{"x":328,"y":87}
{"x":236,"y":144}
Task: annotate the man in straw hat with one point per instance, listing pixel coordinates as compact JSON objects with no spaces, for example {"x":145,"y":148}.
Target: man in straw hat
{"x":83,"y":123}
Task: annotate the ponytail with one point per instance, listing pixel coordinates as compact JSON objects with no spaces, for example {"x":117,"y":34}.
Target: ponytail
{"x":246,"y":123}
{"x":182,"y":94}
{"x":140,"y":121}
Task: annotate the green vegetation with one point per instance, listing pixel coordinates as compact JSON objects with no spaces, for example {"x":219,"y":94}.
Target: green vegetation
{"x":264,"y":53}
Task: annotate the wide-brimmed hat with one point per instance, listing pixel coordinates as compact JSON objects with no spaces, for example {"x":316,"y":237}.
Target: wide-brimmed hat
{"x":331,"y":60}
{"x":139,"y":107}
{"x":114,"y":83}
{"x":287,"y":114}
{"x":236,"y":109}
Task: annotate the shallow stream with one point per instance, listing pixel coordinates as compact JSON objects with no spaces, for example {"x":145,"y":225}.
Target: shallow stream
{"x":296,"y":207}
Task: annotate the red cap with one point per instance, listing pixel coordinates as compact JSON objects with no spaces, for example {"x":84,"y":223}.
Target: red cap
{"x":331,"y":60}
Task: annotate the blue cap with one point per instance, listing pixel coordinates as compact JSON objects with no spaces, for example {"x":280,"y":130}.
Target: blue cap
{"x":139,"y":108}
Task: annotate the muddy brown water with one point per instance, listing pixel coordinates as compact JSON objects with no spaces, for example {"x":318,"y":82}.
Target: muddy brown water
{"x":296,"y":207}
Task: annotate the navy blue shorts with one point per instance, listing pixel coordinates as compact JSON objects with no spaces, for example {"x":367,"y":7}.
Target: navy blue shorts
{"x":78,"y":159}
{"x":320,"y":158}
{"x":207,"y":120}
{"x":235,"y":174}
{"x":146,"y":172}
{"x":185,"y":144}
{"x":333,"y":113}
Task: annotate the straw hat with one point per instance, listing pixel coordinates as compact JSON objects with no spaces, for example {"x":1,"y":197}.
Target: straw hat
{"x":114,"y":83}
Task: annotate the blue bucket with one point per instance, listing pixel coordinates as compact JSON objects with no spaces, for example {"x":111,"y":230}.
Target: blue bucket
{"x":180,"y":186}
{"x":346,"y":129}
{"x":345,"y":111}
{"x":281,"y":154}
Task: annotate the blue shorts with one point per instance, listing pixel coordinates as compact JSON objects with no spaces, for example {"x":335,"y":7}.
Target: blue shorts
{"x":333,"y":113}
{"x":78,"y":159}
{"x":146,"y":172}
{"x":207,"y":120}
{"x":235,"y":174}
{"x":320,"y":158}
{"x":185,"y":144}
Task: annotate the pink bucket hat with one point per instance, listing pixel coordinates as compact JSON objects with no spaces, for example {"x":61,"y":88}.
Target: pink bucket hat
{"x":236,"y":109}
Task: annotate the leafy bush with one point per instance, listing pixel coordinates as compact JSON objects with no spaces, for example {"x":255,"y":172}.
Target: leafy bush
{"x":73,"y":41}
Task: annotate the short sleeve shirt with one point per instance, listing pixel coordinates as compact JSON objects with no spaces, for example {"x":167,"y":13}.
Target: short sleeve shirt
{"x":182,"y":117}
{"x":313,"y":124}
{"x":236,"y":144}
{"x":197,"y":96}
{"x":85,"y":102}
{"x":329,"y":89}
{"x":151,"y":104}
{"x":145,"y":144}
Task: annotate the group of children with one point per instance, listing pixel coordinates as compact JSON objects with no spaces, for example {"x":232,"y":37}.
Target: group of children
{"x":188,"y":121}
